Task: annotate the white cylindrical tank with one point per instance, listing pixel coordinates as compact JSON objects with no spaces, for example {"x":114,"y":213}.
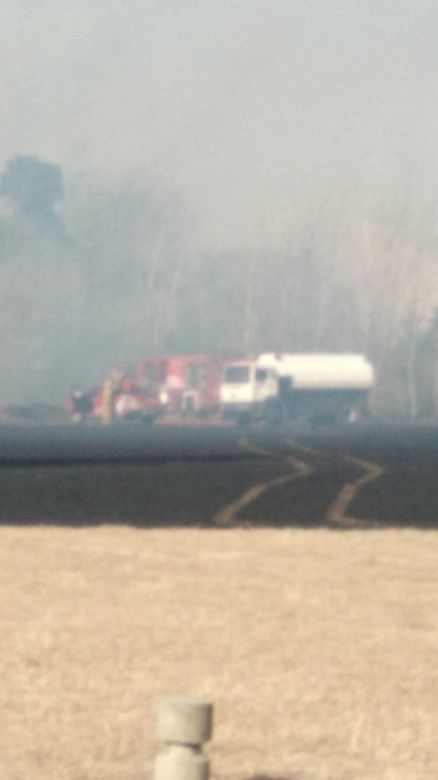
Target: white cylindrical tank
{"x":321,"y":371}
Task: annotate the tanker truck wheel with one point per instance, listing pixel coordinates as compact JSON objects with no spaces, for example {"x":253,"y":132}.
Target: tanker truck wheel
{"x":272,"y":414}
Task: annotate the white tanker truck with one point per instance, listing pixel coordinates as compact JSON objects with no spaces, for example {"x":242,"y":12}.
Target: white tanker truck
{"x":315,"y":387}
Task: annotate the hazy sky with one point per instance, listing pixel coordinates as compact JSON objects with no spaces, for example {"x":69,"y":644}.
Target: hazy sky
{"x":243,"y":106}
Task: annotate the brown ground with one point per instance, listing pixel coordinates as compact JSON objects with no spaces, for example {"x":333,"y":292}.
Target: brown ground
{"x":319,"y":649}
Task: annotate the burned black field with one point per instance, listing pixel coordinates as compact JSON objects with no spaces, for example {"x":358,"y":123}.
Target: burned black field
{"x":219,"y":477}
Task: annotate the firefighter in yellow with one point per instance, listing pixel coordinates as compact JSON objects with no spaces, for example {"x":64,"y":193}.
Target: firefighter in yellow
{"x":110,"y":388}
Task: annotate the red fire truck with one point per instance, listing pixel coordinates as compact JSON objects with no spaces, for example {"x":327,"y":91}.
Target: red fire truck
{"x":140,"y":396}
{"x":172,"y":384}
{"x":192,"y":384}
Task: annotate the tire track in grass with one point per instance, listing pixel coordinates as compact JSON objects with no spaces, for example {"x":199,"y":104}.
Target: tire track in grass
{"x":301,"y":469}
{"x":336,"y":514}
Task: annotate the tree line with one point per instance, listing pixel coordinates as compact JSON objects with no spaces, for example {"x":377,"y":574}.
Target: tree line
{"x":95,"y":271}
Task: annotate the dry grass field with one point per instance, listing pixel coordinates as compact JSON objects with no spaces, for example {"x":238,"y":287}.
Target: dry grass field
{"x":319,"y":649}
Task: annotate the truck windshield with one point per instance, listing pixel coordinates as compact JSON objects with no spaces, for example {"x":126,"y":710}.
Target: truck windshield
{"x":234,"y":375}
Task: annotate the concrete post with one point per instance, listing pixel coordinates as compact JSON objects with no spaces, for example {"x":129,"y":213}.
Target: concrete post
{"x":184,"y":725}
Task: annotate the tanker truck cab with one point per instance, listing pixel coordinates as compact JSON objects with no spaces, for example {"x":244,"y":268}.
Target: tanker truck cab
{"x":247,"y":390}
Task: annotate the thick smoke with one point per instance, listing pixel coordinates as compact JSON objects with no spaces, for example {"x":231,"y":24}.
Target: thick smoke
{"x":97,"y":272}
{"x":85,"y":286}
{"x":289,"y":201}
